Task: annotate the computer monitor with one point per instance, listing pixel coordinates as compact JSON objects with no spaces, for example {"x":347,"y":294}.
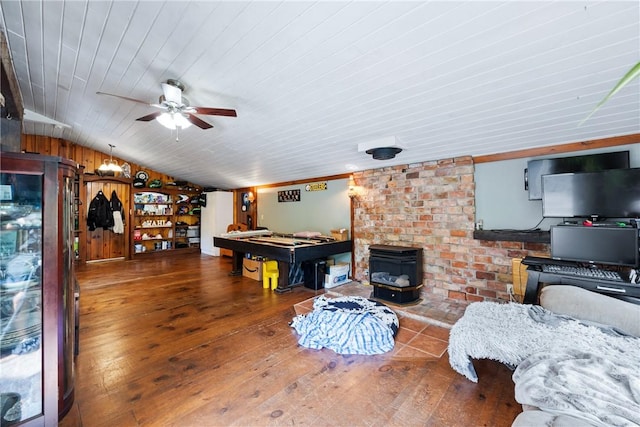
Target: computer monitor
{"x":612,"y":193}
{"x":587,"y":163}
{"x":595,"y":245}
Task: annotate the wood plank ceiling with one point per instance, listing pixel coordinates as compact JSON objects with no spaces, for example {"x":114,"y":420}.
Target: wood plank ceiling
{"x":312,"y":80}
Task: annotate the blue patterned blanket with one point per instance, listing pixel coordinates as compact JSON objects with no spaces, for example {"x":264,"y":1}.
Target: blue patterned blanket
{"x":347,"y":325}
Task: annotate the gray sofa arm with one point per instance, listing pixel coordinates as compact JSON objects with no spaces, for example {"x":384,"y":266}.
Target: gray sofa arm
{"x":591,"y":306}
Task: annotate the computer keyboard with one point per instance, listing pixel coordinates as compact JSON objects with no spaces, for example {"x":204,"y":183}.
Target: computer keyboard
{"x":589,"y":273}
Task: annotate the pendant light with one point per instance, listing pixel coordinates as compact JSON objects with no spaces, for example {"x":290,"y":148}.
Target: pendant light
{"x":110,"y":166}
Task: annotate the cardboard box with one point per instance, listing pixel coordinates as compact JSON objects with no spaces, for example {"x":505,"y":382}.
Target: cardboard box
{"x":336,"y":275}
{"x":252,"y":268}
{"x":340,"y":235}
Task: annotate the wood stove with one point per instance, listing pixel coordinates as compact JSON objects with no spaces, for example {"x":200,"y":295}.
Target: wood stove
{"x":395,"y":272}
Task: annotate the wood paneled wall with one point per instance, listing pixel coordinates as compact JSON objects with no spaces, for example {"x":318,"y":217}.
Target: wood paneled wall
{"x":89,"y":158}
{"x":99,"y":244}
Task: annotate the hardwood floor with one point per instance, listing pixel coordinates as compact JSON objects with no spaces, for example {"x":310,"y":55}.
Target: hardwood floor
{"x":178,"y":342}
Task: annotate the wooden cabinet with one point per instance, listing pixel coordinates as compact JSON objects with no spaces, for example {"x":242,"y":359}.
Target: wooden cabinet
{"x":165,"y":222}
{"x":37,"y":288}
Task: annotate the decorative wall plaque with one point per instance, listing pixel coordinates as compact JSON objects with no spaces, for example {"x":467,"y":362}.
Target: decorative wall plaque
{"x":289,"y":196}
{"x":316,"y":186}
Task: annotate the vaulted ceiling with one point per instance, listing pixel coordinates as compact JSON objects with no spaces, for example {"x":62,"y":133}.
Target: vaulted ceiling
{"x":310,"y":81}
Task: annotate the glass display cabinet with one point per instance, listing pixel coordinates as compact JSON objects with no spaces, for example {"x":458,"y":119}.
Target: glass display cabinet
{"x":37,"y":288}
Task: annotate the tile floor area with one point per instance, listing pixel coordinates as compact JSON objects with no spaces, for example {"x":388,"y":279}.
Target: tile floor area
{"x":424,"y":327}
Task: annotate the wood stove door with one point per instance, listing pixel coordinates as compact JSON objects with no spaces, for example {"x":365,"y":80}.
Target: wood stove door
{"x":390,"y":271}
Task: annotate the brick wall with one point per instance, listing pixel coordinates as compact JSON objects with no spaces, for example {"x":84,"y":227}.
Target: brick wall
{"x":432,"y":205}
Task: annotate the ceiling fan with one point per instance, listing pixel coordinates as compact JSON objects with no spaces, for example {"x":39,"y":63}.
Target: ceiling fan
{"x":175,"y":110}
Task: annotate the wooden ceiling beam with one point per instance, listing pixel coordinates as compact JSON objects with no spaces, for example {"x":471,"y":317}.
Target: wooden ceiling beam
{"x":561,"y":148}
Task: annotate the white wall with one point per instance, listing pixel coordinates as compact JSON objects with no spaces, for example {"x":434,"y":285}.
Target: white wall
{"x":503,"y":203}
{"x":319,"y":211}
{"x":214,"y":219}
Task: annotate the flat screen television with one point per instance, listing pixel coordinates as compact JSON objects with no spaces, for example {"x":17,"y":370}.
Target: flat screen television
{"x":595,"y":245}
{"x":587,"y":163}
{"x":612,"y":193}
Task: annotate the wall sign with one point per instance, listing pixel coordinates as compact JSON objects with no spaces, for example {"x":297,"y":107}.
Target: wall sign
{"x":6,"y":192}
{"x":289,"y":196}
{"x":316,"y":186}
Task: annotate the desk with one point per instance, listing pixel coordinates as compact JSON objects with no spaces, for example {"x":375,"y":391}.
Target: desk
{"x":286,"y":250}
{"x":622,"y":290}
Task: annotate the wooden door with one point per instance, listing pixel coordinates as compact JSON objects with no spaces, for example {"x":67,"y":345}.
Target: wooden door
{"x":105,"y":244}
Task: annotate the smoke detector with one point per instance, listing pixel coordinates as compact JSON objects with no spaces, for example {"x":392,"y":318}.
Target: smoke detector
{"x":382,"y":149}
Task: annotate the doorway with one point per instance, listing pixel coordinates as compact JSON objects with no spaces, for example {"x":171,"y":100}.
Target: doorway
{"x":101,"y":244}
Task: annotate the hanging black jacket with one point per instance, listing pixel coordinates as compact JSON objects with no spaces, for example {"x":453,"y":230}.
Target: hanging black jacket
{"x":99,"y":214}
{"x":115,"y":203}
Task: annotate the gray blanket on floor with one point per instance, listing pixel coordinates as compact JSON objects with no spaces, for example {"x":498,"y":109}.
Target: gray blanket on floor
{"x":559,"y":359}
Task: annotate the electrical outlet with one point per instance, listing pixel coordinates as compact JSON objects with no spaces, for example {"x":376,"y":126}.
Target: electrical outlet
{"x":510,"y":289}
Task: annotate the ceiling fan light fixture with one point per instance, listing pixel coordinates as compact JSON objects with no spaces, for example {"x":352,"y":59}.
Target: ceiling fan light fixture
{"x":172,"y":120}
{"x":166,"y":120}
{"x":176,"y":111}
{"x":181,"y":120}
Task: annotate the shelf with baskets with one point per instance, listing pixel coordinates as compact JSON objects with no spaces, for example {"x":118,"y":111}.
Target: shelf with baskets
{"x":164,"y":221}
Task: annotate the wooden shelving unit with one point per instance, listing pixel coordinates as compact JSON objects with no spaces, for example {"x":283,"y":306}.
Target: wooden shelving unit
{"x":165,"y":221}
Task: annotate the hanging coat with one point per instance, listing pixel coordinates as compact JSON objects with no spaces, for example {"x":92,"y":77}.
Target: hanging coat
{"x":99,"y":214}
{"x":116,"y":209}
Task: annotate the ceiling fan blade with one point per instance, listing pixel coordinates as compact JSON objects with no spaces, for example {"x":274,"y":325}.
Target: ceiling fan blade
{"x":172,"y":93}
{"x":124,"y":97}
{"x":198,"y":122}
{"x":215,"y":111}
{"x":149,"y":117}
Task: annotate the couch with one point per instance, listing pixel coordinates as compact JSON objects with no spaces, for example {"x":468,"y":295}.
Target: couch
{"x":598,"y":309}
{"x":576,"y":356}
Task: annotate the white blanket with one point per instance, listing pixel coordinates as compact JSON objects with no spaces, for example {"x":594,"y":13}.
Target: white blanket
{"x":509,"y":333}
{"x":564,"y":365}
{"x":602,"y":389}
